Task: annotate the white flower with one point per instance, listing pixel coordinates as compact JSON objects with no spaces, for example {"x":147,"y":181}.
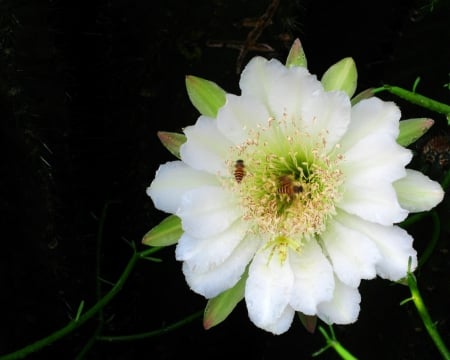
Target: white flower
{"x":311,"y":212}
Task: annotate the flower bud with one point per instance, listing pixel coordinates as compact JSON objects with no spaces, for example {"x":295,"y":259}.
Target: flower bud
{"x":205,"y":95}
{"x":341,"y":76}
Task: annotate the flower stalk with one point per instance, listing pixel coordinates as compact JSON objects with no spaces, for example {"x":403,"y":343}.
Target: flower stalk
{"x":417,"y":99}
{"x":425,"y":316}
{"x":332,"y":342}
{"x":83,"y":318}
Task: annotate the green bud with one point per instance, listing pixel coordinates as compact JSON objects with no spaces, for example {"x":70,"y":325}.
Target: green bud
{"x":206,"y":96}
{"x":341,"y":76}
{"x":296,"y":56}
{"x":172,"y":141}
{"x":166,"y":233}
{"x":412,"y":129}
{"x":218,"y":308}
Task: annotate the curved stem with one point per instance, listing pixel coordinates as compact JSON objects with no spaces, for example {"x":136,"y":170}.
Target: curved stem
{"x":148,"y":334}
{"x":74,"y":324}
{"x":425,"y":316}
{"x":434,"y":239}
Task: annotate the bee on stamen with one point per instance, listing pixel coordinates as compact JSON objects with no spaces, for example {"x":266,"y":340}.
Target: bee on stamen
{"x":239,"y":170}
{"x":288,"y":186}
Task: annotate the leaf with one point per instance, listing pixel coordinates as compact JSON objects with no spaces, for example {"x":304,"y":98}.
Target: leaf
{"x":218,"y":308}
{"x":412,"y":129}
{"x":172,"y":141}
{"x":166,"y":233}
{"x":206,"y":96}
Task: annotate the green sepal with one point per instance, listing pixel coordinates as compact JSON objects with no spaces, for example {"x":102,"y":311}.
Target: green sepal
{"x":218,"y":308}
{"x":172,"y":141}
{"x":309,"y":322}
{"x":166,"y":233}
{"x":341,"y":76}
{"x":296,"y":56}
{"x":365,"y":94}
{"x":412,"y":129}
{"x":206,"y":96}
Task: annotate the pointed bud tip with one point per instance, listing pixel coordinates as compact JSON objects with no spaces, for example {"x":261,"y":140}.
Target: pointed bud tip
{"x":341,"y":76}
{"x":172,"y":141}
{"x":206,"y":96}
{"x":296,"y":56}
{"x":207,"y":323}
{"x":412,"y":129}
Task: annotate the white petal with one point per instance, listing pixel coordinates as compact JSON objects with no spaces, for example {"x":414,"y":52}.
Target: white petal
{"x":377,"y":158}
{"x":376,"y":202}
{"x":417,"y":192}
{"x":393,"y":243}
{"x":353,"y":255}
{"x":207,"y":211}
{"x":299,"y":98}
{"x":343,"y":308}
{"x":204,"y":254}
{"x":369,"y":168}
{"x":215,"y":281}
{"x":282,"y":324}
{"x":174,"y":179}
{"x":327,"y":115}
{"x":370,"y":116}
{"x":313,"y":278}
{"x":268,"y":288}
{"x":206,"y":148}
{"x":239,"y":115}
{"x":296,"y":96}
{"x":293,"y":93}
{"x":259,"y":76}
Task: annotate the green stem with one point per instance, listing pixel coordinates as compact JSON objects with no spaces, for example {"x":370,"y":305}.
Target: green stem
{"x":434,"y":239}
{"x":425,"y":316}
{"x":335,"y":344}
{"x":72,"y":325}
{"x":98,"y":287}
{"x":413,"y":219}
{"x":153,"y":333}
{"x":417,"y":99}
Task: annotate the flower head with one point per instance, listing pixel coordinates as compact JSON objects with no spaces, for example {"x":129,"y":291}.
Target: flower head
{"x":296,"y":192}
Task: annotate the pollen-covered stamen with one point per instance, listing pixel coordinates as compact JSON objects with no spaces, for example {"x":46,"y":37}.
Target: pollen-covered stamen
{"x":290,"y":186}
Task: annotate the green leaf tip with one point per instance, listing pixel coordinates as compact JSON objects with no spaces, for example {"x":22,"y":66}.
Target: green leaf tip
{"x":412,"y":129}
{"x":296,"y":56}
{"x":206,"y":96}
{"x":172,"y":141}
{"x":218,"y":308}
{"x":341,"y":76}
{"x":166,"y":233}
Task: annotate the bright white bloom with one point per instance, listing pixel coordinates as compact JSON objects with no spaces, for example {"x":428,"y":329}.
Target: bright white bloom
{"x":323,"y":184}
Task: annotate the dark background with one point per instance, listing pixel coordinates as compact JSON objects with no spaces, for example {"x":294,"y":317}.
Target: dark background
{"x":85,"y":86}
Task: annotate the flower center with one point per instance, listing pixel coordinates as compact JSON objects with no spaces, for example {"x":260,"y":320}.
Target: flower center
{"x":288,"y":184}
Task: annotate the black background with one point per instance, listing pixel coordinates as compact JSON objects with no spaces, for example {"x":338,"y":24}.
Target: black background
{"x":85,"y":86}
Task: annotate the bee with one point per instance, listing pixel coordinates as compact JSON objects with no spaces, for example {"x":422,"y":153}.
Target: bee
{"x":288,"y":186}
{"x":239,"y":170}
